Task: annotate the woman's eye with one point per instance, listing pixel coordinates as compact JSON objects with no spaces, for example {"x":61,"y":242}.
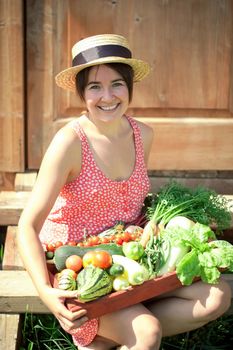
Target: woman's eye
{"x":117,"y":84}
{"x":94,"y":87}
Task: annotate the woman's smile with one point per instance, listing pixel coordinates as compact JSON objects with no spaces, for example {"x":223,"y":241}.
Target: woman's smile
{"x":106,"y":94}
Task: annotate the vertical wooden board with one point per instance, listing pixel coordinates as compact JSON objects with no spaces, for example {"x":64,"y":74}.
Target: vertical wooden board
{"x":11,"y":86}
{"x":41,"y":40}
{"x":10,"y":331}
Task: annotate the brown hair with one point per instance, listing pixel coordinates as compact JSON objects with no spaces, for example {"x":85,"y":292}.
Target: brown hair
{"x":123,"y":69}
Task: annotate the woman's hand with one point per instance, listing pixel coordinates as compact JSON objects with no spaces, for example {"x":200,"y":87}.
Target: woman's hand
{"x":54,"y":299}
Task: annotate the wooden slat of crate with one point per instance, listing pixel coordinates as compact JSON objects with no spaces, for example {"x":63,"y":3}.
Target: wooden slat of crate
{"x":11,"y":206}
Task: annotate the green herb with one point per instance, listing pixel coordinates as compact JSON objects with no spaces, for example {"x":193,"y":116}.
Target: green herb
{"x":199,"y":204}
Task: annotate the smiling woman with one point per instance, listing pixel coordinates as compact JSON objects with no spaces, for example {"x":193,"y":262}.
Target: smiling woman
{"x":93,"y":175}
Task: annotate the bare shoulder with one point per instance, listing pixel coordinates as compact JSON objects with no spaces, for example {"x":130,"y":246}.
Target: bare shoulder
{"x":64,"y":152}
{"x":147,"y":133}
{"x":146,"y":130}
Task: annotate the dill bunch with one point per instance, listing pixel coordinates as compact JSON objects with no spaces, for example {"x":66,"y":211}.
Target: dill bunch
{"x":199,"y":204}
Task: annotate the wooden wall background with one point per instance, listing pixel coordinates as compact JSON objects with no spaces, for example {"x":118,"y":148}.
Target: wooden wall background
{"x":187,"y":99}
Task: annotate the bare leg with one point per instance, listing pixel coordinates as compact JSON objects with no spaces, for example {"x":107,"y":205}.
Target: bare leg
{"x":191,"y":307}
{"x":133,"y":328}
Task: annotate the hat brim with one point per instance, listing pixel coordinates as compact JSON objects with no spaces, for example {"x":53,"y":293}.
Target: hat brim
{"x":66,"y":78}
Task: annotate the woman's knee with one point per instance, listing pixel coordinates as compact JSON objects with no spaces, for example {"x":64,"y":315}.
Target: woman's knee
{"x":219,"y":300}
{"x":151,"y":334}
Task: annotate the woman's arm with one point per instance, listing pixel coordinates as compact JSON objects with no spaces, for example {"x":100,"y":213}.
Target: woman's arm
{"x":61,"y":163}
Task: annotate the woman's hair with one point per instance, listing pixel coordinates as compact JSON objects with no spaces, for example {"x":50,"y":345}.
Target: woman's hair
{"x":123,"y":69}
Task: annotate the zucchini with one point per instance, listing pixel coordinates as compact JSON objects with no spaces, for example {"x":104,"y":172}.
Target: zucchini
{"x":63,"y":252}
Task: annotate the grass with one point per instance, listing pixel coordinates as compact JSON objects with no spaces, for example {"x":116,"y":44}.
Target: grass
{"x":43,"y":332}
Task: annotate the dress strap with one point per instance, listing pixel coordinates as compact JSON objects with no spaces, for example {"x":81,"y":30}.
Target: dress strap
{"x":137,"y":139}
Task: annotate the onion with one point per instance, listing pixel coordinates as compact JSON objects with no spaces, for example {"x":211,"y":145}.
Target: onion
{"x":180,"y":221}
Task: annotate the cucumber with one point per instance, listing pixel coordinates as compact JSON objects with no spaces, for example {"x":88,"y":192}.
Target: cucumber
{"x":63,"y":252}
{"x":115,"y":270}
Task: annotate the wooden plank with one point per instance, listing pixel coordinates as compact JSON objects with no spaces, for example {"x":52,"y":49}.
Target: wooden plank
{"x":18,"y":294}
{"x":11,"y":206}
{"x":219,"y":185}
{"x":11,"y":86}
{"x":11,"y":257}
{"x":25,"y":181}
{"x":10,"y":331}
{"x":7,"y":181}
{"x":191,"y":144}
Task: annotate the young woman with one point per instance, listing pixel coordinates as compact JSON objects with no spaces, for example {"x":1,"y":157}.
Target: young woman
{"x":92,"y":175}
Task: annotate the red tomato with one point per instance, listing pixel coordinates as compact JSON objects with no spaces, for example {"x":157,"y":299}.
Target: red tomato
{"x":126,"y":236}
{"x":118,"y":240}
{"x":73,"y":243}
{"x":50,"y":247}
{"x":100,"y":259}
{"x":74,"y":262}
{"x":94,"y":240}
{"x":86,"y":244}
{"x":104,"y":240}
{"x":58,"y":244}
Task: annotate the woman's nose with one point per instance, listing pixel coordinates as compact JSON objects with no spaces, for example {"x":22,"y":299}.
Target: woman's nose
{"x":107,"y":94}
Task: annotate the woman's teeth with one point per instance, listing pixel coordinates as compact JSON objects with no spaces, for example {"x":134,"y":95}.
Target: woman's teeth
{"x":108,"y":108}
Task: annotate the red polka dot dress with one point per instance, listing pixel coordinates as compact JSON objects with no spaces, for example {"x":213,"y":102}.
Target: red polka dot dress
{"x":92,"y":203}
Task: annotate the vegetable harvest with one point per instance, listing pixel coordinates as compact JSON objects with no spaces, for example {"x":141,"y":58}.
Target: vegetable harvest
{"x":181,"y":236}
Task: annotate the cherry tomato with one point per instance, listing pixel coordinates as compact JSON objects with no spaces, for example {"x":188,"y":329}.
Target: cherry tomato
{"x":104,"y":240}
{"x":50,"y":247}
{"x":100,"y":259}
{"x":86,"y":244}
{"x":125,"y":236}
{"x":80,"y":244}
{"x":118,"y":240}
{"x":58,"y":244}
{"x":72,"y":243}
{"x":74,"y":262}
{"x":95,"y":240}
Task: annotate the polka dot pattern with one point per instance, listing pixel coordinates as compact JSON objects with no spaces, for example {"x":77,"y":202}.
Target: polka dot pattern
{"x":92,"y":203}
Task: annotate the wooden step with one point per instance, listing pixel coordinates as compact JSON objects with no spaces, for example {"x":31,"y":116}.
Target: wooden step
{"x":11,"y":206}
{"x":18,"y":294}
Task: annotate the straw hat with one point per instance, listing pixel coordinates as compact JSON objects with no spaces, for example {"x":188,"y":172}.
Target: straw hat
{"x":100,"y":49}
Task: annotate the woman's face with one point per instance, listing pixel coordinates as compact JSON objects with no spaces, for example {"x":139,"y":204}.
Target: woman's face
{"x":106,"y":94}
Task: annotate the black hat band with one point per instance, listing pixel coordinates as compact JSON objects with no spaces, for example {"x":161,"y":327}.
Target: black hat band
{"x":97,"y":52}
